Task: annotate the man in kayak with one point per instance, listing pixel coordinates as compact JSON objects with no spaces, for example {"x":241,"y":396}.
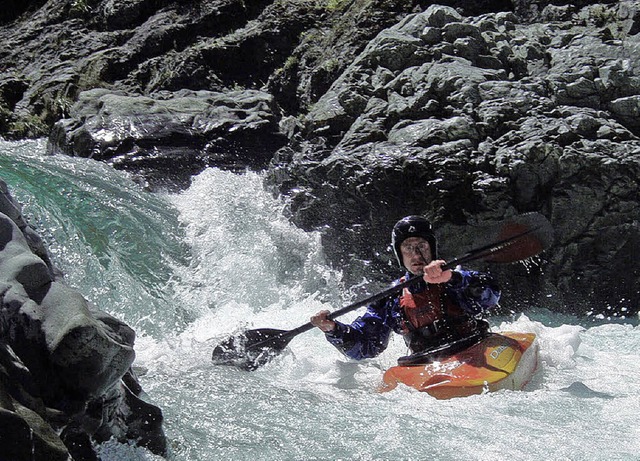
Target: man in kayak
{"x":442,"y":309}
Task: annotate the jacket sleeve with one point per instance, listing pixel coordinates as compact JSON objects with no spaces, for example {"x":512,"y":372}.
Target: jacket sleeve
{"x":366,"y":337}
{"x":476,"y":292}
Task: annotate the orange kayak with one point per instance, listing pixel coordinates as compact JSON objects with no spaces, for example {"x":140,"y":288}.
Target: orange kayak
{"x":506,"y":360}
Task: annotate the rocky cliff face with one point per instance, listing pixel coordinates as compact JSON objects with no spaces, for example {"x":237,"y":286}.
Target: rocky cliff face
{"x":369,"y":110}
{"x":362,"y":111}
{"x":470,"y":119}
{"x":359,"y":111}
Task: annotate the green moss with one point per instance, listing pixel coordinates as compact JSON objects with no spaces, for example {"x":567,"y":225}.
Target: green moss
{"x":79,"y":7}
{"x":27,"y":127}
{"x":12,"y":127}
{"x":337,"y":5}
{"x":606,"y":18}
{"x":291,"y":63}
{"x":331,"y":65}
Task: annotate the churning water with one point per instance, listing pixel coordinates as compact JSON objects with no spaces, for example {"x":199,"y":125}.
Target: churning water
{"x":186,"y":270}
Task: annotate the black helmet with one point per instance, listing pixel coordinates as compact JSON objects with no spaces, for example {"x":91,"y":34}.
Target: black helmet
{"x":412,"y":226}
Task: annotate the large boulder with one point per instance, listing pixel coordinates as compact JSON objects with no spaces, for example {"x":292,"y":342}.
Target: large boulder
{"x":171,"y":133}
{"x":65,"y":367}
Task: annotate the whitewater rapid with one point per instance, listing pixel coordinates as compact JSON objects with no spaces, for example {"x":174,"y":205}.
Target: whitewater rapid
{"x":188,"y":269}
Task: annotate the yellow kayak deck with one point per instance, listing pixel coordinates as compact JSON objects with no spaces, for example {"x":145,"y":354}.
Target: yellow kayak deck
{"x":504,"y":360}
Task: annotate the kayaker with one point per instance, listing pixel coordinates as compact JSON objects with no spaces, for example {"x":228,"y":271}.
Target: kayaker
{"x":441,"y":309}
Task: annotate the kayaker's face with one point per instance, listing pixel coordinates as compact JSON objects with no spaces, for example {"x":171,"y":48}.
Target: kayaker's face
{"x":416,"y":253}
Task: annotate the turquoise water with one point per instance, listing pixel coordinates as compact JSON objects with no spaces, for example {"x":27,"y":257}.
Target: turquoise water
{"x":186,"y":270}
{"x":117,"y":244}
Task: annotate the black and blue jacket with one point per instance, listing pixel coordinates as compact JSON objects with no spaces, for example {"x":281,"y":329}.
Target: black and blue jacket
{"x":473,"y":293}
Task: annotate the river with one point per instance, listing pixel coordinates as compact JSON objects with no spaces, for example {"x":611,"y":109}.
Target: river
{"x":187,"y":269}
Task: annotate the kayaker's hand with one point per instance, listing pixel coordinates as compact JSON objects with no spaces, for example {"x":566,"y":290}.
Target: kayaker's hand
{"x":433,"y":272}
{"x":321,"y":321}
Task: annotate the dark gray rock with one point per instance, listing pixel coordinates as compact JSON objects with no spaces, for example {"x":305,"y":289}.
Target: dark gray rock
{"x":437,"y":131}
{"x":194,"y":129}
{"x":65,"y":376}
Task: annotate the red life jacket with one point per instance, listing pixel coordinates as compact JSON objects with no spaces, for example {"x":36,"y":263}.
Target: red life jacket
{"x":425,"y":308}
{"x":432,"y":318}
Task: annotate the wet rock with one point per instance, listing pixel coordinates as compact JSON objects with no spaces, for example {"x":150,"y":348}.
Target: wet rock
{"x":550,"y":126}
{"x":192,"y":128}
{"x":65,"y":367}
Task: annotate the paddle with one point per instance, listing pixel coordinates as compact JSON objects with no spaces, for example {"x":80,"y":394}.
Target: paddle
{"x":517,"y":239}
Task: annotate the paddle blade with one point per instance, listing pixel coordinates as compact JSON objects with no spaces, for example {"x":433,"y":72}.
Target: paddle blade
{"x":520,"y":238}
{"x":250,"y":349}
